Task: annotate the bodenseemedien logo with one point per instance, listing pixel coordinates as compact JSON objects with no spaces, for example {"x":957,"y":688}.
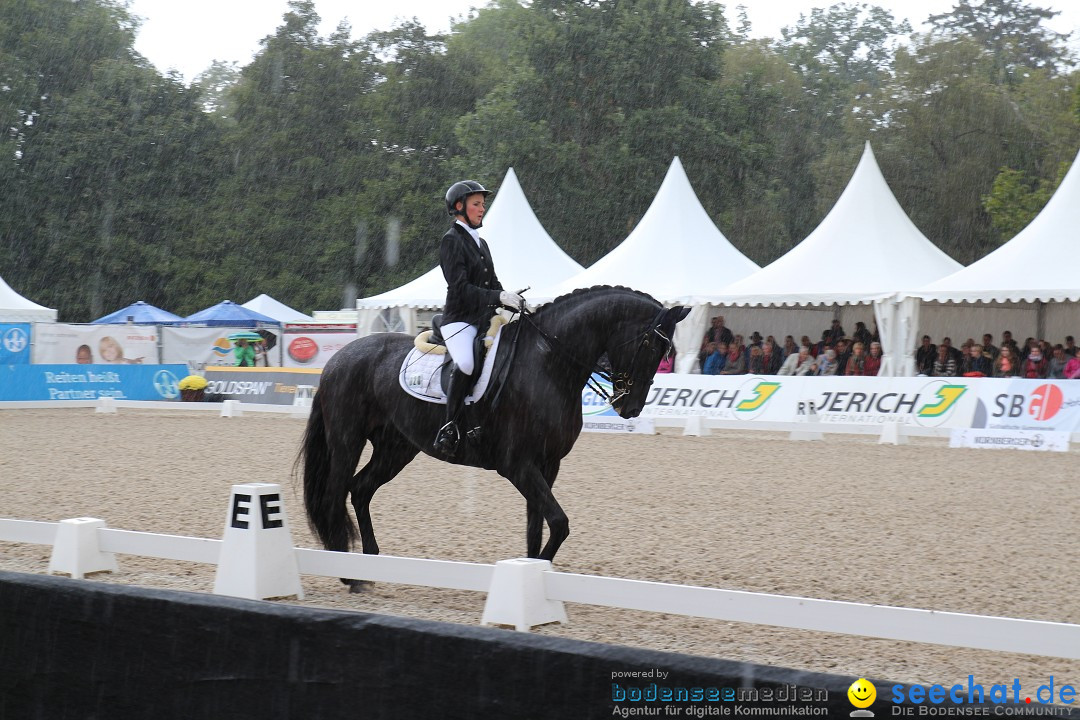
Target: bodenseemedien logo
{"x":862,"y":694}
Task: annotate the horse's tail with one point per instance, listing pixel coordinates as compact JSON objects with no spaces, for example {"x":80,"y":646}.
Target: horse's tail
{"x":325,"y":497}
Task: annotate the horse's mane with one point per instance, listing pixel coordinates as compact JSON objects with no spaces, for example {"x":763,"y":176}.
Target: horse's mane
{"x":563,"y":299}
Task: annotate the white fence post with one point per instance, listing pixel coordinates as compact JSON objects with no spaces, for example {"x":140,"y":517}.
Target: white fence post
{"x":76,"y":550}
{"x":231,"y":408}
{"x":106,"y":404}
{"x":257,"y":559}
{"x":517,"y":596}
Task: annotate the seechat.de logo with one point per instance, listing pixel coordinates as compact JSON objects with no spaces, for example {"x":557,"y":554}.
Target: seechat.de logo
{"x":166,"y":384}
{"x":222,"y":347}
{"x":15,"y":340}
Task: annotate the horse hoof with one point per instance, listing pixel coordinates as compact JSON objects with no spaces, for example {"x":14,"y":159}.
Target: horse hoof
{"x":360,"y":586}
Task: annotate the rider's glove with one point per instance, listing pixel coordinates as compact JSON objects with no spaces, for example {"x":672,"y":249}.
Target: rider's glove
{"x":511,"y":300}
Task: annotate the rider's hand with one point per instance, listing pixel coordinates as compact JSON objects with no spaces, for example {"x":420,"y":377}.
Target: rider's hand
{"x":511,"y":300}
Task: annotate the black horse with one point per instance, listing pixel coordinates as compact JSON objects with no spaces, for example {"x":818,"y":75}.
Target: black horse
{"x":530,"y":415}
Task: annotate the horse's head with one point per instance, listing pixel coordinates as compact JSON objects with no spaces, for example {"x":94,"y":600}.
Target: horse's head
{"x":634,"y":352}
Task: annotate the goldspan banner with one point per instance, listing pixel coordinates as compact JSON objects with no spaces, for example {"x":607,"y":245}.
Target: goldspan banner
{"x":274,"y":386}
{"x":928,"y":402}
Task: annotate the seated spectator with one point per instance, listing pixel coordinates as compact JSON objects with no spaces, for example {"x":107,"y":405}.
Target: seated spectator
{"x":667,"y":363}
{"x":856,"y":364}
{"x":1072,"y":368}
{"x":1035,"y":365}
{"x":1070,"y":346}
{"x":825,"y":364}
{"x":755,"y":365}
{"x":955,"y":353}
{"x":976,"y":363}
{"x":944,"y":365}
{"x":1006,"y":365}
{"x":736,"y":360}
{"x":714,"y":363}
{"x":797,"y":363}
{"x":988,"y":346}
{"x":716,"y":333}
{"x":770,"y":359}
{"x":1007,"y":339}
{"x":872,"y":366}
{"x":1029,"y":343}
{"x":862,"y":335}
{"x":925,"y":356}
{"x":843,"y":352}
{"x":1056,"y":369}
{"x":812,"y":347}
{"x":790,"y":348}
{"x":819,"y":348}
{"x":835,"y":332}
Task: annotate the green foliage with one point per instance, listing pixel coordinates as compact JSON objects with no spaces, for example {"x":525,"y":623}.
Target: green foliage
{"x":316,"y":172}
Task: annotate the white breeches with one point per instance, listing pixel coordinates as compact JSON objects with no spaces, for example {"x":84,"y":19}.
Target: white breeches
{"x":459,"y":337}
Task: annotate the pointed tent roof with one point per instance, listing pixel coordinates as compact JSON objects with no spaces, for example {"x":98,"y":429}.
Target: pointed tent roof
{"x":523,"y":252}
{"x":270,"y":307}
{"x":674,"y":253}
{"x":141,"y":313}
{"x":15,"y":308}
{"x":228,"y":313}
{"x":866,"y":247}
{"x":1041,"y":262}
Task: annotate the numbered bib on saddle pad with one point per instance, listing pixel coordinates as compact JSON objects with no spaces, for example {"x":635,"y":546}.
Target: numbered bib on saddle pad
{"x":419,"y":375}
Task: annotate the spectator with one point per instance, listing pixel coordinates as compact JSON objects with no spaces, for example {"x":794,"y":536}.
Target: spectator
{"x":1005,"y":365}
{"x":756,"y":364}
{"x":714,"y":363}
{"x":667,"y":363}
{"x":1072,"y":368}
{"x":1035,"y":365}
{"x":925,"y":356}
{"x":1058,"y":359}
{"x":790,"y":348}
{"x":873,"y":360}
{"x":1007,"y":339}
{"x":988,"y":346}
{"x":835,"y":332}
{"x":770,"y":359}
{"x":843,"y":352}
{"x":798,"y":363}
{"x":825,"y":364}
{"x":715,"y":334}
{"x":862,"y":335}
{"x":856,"y":364}
{"x":1070,"y":346}
{"x":944,"y":365}
{"x":822,"y":345}
{"x":736,"y":360}
{"x":812,"y":347}
{"x":1029,"y":343}
{"x":955,"y":353}
{"x":976,"y":363}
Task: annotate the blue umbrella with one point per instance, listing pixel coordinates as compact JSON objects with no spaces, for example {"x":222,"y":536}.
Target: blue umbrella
{"x":139,"y":312}
{"x":231,"y":314}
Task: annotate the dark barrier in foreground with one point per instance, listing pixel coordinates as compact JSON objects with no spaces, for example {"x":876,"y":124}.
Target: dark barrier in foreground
{"x":79,"y":649}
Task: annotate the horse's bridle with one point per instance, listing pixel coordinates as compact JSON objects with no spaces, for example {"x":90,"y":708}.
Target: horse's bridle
{"x":621,"y":382}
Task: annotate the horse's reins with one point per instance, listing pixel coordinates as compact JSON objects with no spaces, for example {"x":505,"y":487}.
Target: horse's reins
{"x":621,"y":382}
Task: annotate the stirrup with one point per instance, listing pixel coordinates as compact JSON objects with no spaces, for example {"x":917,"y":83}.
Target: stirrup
{"x":447,"y":439}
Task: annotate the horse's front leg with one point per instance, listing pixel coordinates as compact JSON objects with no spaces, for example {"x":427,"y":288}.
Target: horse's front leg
{"x":540,"y":505}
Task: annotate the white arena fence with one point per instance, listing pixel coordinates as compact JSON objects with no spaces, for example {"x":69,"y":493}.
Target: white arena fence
{"x":256,"y":559}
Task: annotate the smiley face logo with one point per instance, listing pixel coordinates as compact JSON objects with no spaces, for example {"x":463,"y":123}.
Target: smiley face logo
{"x":862,"y":693}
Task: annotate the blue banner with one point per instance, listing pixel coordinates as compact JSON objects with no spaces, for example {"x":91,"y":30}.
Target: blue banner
{"x":90,"y":382}
{"x":14,"y":343}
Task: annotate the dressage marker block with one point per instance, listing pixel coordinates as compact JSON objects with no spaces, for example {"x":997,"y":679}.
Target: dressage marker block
{"x":892,"y":433}
{"x":517,"y":596}
{"x":106,"y":404}
{"x":808,"y":416}
{"x":257,"y":556}
{"x":76,"y":551}
{"x":696,"y":427}
{"x":231,"y":408}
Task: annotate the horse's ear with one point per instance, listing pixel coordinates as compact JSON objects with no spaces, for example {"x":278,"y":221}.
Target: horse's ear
{"x":677,"y":313}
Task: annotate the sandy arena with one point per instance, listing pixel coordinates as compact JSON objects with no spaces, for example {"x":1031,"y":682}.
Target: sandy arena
{"x":991,"y":532}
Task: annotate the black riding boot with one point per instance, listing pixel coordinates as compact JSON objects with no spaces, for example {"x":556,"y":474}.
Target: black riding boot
{"x":449,"y":435}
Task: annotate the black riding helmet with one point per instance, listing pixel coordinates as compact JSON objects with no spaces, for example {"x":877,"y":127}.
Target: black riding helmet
{"x":458,"y":192}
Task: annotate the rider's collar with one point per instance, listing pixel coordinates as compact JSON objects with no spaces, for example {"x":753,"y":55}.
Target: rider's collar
{"x":475,"y":233}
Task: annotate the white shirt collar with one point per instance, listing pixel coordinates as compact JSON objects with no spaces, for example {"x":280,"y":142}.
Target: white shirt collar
{"x":475,"y":233}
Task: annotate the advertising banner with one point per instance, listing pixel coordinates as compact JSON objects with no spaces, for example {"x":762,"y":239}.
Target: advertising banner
{"x":1009,"y":404}
{"x":274,"y":386}
{"x":598,"y":416}
{"x":14,"y":343}
{"x":90,"y":382}
{"x":58,"y":343}
{"x":204,"y":347}
{"x":1010,"y":439}
{"x":310,"y":346}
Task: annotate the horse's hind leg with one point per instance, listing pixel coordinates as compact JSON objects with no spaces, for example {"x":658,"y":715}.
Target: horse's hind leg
{"x":390,"y":453}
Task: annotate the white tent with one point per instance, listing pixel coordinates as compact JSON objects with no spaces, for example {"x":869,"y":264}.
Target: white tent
{"x":675,"y":253}
{"x":523,"y":252}
{"x":866,"y":248}
{"x":1030,"y":285}
{"x":15,"y":308}
{"x":278,"y":310}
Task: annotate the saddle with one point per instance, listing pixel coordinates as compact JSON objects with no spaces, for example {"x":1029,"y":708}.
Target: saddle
{"x":431,"y":342}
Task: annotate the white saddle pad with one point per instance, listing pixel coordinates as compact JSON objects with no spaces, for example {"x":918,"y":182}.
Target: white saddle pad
{"x":421,"y":372}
